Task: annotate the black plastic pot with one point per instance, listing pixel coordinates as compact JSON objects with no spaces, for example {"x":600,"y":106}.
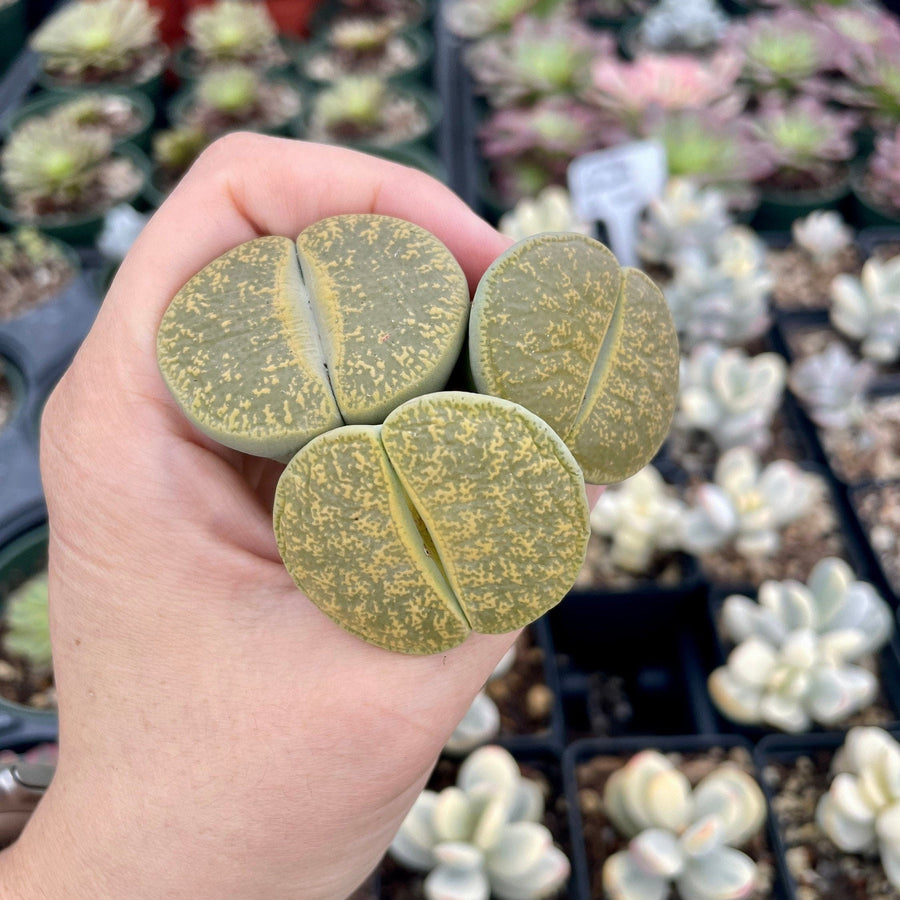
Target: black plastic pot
{"x":778,"y":209}
{"x":12,"y":32}
{"x":583,"y":869}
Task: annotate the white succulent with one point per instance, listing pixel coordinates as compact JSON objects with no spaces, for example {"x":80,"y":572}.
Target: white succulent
{"x":822,"y":234}
{"x":681,"y":836}
{"x":482,"y":838}
{"x":640,"y":516}
{"x":867,"y":308}
{"x":550,"y":210}
{"x":730,"y":395}
{"x":861,"y":811}
{"x":747,"y":505}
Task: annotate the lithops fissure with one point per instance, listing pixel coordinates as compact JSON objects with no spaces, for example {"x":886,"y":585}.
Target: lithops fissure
{"x":276,"y":342}
{"x":461,"y":512}
{"x":559,"y":327}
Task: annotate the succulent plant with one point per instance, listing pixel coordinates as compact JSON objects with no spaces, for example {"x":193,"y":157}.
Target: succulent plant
{"x":640,"y":518}
{"x":174,"y":149}
{"x":881,"y":184}
{"x":832,"y":386}
{"x":731,"y":396}
{"x":873,"y":80}
{"x":859,"y":28}
{"x":669,"y":82}
{"x":861,"y":810}
{"x":567,"y":355}
{"x":28,"y":246}
{"x":849,"y":613}
{"x":97,"y":39}
{"x":788,"y":50}
{"x":536,"y":58}
{"x":803,"y":680}
{"x":231,"y":90}
{"x":682,"y":26}
{"x":550,"y":210}
{"x":482,"y":838}
{"x":867,"y":309}
{"x":721,"y":294}
{"x":49,"y":165}
{"x":746,"y":506}
{"x":232,"y":31}
{"x":26,"y":624}
{"x":679,"y":836}
{"x":481,"y":723}
{"x":685,"y":217}
{"x":810,"y":144}
{"x":477,"y":18}
{"x":822,"y":234}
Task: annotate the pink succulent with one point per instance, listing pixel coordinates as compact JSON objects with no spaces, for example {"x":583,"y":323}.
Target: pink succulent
{"x":667,"y":82}
{"x":882,"y":179}
{"x":873,"y":79}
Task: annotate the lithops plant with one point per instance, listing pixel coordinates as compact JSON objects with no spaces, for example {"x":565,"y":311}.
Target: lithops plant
{"x":559,"y":327}
{"x":861,"y":811}
{"x":681,"y":836}
{"x":275,"y":342}
{"x":473,"y":518}
{"x":482,"y":837}
{"x":731,"y":396}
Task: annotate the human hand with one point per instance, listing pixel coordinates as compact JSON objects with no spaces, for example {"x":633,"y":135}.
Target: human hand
{"x":220,"y":737}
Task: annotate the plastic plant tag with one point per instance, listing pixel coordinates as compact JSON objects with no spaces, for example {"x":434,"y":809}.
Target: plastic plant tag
{"x":614,"y":185}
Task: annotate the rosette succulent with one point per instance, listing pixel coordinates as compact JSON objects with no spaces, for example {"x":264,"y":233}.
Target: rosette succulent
{"x":640,"y":517}
{"x":822,"y":234}
{"x":99,"y":40}
{"x":174,"y":149}
{"x":867,"y":309}
{"x":746,"y":505}
{"x":536,"y":58}
{"x":730,"y":396}
{"x":477,"y":18}
{"x":721,"y":293}
{"x":873,"y":80}
{"x":681,"y":836}
{"x":482,"y":838}
{"x":804,"y":651}
{"x":26,"y":624}
{"x":832,"y":385}
{"x":232,"y":31}
{"x":881,"y":181}
{"x":861,"y":811}
{"x":682,"y":26}
{"x":550,"y":210}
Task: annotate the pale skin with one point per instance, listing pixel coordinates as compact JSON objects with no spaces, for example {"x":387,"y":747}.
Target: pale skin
{"x":219,"y":736}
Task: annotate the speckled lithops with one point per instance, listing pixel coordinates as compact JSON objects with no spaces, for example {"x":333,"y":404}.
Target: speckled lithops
{"x":275,"y":341}
{"x":559,"y":327}
{"x":461,"y":512}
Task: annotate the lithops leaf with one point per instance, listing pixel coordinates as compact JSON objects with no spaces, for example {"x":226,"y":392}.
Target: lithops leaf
{"x":275,"y":342}
{"x":460,"y":512}
{"x":392,"y":304}
{"x":560,"y":328}
{"x":238,"y":348}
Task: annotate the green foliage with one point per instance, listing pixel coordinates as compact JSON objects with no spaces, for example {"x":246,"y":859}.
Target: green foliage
{"x":27,"y":623}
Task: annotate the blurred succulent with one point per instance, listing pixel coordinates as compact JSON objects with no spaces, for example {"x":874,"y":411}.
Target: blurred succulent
{"x":87,"y":39}
{"x":684,"y":217}
{"x":550,"y":210}
{"x":174,"y":149}
{"x":788,"y":50}
{"x":231,"y":31}
{"x":873,"y":80}
{"x":611,"y":9}
{"x":360,"y":37}
{"x":48,"y":165}
{"x":481,"y":723}
{"x":809,"y":144}
{"x":881,"y":183}
{"x":822,"y":234}
{"x":231,"y":90}
{"x":867,"y":309}
{"x":654,"y":82}
{"x":713,"y":149}
{"x":682,"y":26}
{"x":832,"y":386}
{"x":731,"y":396}
{"x":477,"y":18}
{"x":850,"y":614}
{"x":721,"y":293}
{"x":859,"y":28}
{"x":807,"y":678}
{"x":28,"y":247}
{"x":640,"y":518}
{"x":861,"y":811}
{"x":746,"y":506}
{"x":26,"y":624}
{"x":679,"y":836}
{"x":482,"y":838}
{"x":354,"y":102}
{"x":536,"y":58}
{"x":113,"y":112}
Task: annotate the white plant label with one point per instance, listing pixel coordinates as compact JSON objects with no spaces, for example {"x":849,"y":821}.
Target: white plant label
{"x":614,"y":186}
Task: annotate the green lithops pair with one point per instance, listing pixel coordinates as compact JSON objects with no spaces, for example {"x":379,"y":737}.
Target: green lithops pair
{"x":412,"y":516}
